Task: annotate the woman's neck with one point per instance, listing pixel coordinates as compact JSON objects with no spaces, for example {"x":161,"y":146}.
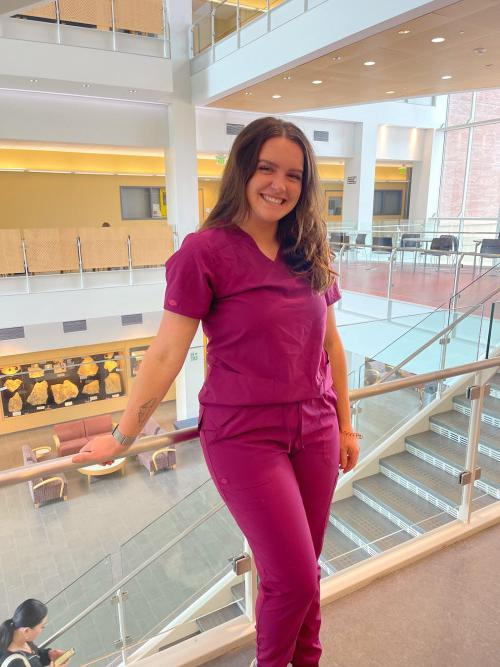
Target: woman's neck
{"x":264,"y":233}
{"x":19,"y":644}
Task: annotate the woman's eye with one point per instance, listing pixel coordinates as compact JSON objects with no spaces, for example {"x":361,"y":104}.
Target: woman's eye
{"x":296,"y":177}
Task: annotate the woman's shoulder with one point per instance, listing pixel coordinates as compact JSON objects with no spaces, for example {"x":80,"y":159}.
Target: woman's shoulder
{"x":15,"y":662}
{"x":209,"y":239}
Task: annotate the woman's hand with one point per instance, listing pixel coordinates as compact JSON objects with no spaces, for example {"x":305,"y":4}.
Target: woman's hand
{"x":54,"y":653}
{"x":349,"y":450}
{"x":103,"y":448}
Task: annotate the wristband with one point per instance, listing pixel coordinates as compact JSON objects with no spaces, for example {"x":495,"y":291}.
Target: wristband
{"x":124,"y":440}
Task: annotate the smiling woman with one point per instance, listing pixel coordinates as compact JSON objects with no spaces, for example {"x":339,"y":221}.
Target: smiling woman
{"x":257,"y":275}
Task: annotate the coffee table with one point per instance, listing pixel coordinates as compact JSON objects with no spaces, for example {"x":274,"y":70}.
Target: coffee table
{"x":97,"y":469}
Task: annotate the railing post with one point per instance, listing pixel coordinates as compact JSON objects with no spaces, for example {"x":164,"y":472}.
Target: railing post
{"x":121,"y":643}
{"x":456,"y":279}
{"x":389,"y":283}
{"x":129,"y":250}
{"x":212,"y":28}
{"x":238,"y":24}
{"x":250,"y":579}
{"x":476,"y":394}
{"x":26,"y":269}
{"x":80,"y":262}
{"x":166,"y":28}
{"x":113,"y":23}
{"x":58,"y":21}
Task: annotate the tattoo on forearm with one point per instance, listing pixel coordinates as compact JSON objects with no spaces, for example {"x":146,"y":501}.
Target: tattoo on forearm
{"x":146,"y":410}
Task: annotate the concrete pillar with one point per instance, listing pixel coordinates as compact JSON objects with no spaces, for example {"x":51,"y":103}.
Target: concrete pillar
{"x":182,"y":185}
{"x":426,"y":178}
{"x":359,"y":179}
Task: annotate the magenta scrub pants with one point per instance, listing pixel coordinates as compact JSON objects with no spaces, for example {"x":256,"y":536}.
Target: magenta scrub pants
{"x":276,"y":467}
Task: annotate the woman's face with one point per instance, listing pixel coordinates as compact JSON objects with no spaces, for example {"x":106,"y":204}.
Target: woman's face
{"x":32,"y":633}
{"x":274,"y":189}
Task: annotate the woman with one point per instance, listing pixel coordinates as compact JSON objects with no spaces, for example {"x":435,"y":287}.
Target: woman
{"x":18,"y":635}
{"x":258,"y":276}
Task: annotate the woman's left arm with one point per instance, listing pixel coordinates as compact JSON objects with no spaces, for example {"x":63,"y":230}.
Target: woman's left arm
{"x":349,"y":447}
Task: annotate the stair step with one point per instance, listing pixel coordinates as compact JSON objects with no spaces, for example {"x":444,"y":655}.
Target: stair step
{"x":428,"y":482}
{"x":495,"y":385}
{"x":365,"y":526}
{"x":440,"y":451}
{"x":490,"y":413}
{"x":404,"y":508}
{"x":218,"y":617}
{"x":339,"y":551}
{"x":456,"y":426}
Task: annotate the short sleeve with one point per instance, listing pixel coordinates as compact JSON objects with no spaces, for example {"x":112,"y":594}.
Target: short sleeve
{"x":332,"y":294}
{"x":189,"y":279}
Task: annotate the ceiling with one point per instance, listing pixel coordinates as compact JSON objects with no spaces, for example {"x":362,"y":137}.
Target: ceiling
{"x":407,"y":64}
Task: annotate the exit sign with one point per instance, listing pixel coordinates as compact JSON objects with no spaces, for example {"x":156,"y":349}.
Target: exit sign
{"x":220,"y":159}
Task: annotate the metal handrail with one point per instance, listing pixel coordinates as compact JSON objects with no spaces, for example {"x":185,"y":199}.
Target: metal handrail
{"x":37,"y":470}
{"x":439,"y":335}
{"x":417,"y":380}
{"x":355,"y":395}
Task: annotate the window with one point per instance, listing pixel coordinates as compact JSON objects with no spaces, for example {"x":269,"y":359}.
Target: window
{"x":387,"y":202}
{"x":142,"y":203}
{"x":335,"y":205}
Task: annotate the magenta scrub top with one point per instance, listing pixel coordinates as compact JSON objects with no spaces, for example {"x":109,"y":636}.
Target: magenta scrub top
{"x":265,"y":326}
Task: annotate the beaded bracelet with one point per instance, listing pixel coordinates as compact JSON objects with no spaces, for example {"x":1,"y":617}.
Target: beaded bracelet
{"x":352,"y":434}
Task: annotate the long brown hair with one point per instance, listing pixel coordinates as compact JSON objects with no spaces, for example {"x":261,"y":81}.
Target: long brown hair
{"x":302,"y":232}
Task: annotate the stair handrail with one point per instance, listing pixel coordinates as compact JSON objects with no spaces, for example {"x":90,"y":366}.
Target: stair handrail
{"x":13,"y":476}
{"x":437,"y":336}
{"x":151,"y":559}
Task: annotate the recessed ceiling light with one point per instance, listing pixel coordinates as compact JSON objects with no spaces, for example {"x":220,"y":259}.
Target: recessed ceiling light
{"x":248,"y":92}
{"x":404,"y":32}
{"x":85,"y":85}
{"x":287,"y":77}
{"x":369,"y":63}
{"x":390,"y":92}
{"x":447,"y":76}
{"x":337,"y":58}
{"x":316,"y":82}
{"x":489,"y":65}
{"x":438,"y":40}
{"x":480,"y":51}
{"x":276,"y":97}
{"x":132,"y":90}
{"x":33,"y":80}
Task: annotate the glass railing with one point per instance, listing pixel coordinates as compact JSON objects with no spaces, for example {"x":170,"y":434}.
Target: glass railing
{"x":133,"y":26}
{"x":401,"y":492}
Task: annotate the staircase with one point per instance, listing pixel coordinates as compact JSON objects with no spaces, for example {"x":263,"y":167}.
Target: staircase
{"x":417,"y":490}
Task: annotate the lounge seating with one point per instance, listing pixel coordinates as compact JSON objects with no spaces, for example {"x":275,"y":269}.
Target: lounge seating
{"x":159,"y":459}
{"x":44,"y":489}
{"x":70,"y":437}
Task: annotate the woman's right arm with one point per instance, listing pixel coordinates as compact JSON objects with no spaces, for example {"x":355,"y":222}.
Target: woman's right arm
{"x":159,"y":368}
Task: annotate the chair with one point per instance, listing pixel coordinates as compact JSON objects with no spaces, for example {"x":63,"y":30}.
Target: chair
{"x":359,"y":244}
{"x":338,"y":239}
{"x":382,"y":244}
{"x":446,"y":243}
{"x":44,"y":489}
{"x":489,"y":248}
{"x":409,"y":240}
{"x":158,"y":459}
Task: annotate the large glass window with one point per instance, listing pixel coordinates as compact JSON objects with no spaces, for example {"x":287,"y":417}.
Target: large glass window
{"x":387,"y":202}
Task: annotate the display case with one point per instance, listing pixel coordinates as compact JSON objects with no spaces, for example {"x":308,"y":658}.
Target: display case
{"x":60,"y":382}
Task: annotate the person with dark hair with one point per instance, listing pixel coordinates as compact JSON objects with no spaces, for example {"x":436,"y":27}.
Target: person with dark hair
{"x":275,"y":423}
{"x":18,"y":634}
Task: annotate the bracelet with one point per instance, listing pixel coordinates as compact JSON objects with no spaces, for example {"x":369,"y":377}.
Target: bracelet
{"x":352,"y":434}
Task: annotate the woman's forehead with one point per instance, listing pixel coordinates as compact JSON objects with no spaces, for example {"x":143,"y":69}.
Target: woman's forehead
{"x":282,"y":151}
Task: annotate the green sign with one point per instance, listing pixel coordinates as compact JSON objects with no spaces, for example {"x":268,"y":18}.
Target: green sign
{"x":220,"y":159}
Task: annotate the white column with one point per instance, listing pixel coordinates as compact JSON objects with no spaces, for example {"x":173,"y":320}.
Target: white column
{"x":359,"y":179}
{"x":426,"y":178}
{"x":182,"y":183}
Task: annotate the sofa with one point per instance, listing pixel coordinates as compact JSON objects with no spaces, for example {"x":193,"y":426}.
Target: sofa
{"x":156,"y":460}
{"x":44,"y":489}
{"x":70,"y":437}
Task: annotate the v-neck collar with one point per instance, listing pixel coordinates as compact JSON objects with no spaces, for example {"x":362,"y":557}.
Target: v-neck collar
{"x":256,"y":246}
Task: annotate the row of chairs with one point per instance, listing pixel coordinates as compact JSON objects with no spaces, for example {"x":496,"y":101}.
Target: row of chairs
{"x":411,"y":241}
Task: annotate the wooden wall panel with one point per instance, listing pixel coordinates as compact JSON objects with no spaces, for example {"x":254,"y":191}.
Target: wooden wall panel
{"x":11,"y":251}
{"x":103,"y":247}
{"x":51,"y":250}
{"x":151,"y":244}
